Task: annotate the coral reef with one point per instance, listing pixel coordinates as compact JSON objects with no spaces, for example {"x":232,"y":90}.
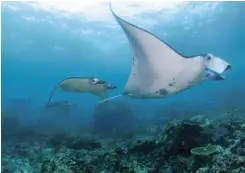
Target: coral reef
{"x":193,"y":145}
{"x":204,"y":151}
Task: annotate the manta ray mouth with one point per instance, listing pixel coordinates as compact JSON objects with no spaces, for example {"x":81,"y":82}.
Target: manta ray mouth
{"x":228,"y":67}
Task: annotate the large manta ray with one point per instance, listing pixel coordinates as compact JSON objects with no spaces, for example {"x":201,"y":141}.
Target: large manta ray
{"x":159,"y":71}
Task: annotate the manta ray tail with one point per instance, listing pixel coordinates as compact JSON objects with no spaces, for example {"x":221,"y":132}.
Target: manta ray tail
{"x":52,"y":92}
{"x":110,"y":98}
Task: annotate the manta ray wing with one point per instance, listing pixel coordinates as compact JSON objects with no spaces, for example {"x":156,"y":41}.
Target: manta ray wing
{"x":155,"y":64}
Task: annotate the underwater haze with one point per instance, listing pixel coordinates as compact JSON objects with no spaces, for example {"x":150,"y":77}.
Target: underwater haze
{"x":45,"y":42}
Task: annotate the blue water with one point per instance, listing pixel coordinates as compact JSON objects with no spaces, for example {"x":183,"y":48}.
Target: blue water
{"x":43,"y":44}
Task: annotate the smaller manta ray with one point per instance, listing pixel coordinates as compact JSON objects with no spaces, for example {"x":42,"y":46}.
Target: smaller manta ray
{"x":159,"y":71}
{"x":83,"y":84}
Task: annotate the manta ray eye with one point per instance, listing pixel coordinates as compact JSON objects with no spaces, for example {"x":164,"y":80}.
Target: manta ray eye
{"x":94,"y":80}
{"x":207,"y":57}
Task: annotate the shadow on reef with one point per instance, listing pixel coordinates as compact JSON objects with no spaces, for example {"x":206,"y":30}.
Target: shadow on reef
{"x":113,"y":119}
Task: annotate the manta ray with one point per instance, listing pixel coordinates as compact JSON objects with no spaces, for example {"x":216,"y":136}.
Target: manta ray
{"x":159,"y":71}
{"x":91,"y":85}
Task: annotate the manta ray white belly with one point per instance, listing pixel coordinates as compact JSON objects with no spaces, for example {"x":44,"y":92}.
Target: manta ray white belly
{"x":159,"y":86}
{"x":83,"y":85}
{"x":76,"y":85}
